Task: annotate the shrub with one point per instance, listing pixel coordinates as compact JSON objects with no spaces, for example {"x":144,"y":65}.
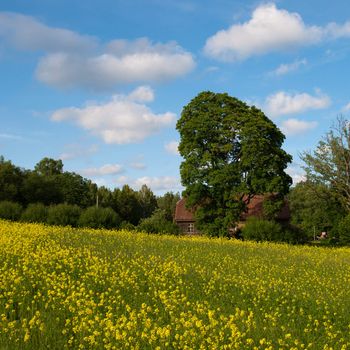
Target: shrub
{"x":342,"y":231}
{"x":10,"y":210}
{"x":157,"y":223}
{"x":99,"y":218}
{"x":63,"y":215}
{"x":262,"y":230}
{"x":35,"y":212}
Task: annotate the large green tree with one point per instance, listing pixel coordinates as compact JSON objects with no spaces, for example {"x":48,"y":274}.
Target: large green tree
{"x":329,"y":163}
{"x":231,"y":152}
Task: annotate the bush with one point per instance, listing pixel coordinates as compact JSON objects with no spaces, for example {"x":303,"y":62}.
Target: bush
{"x":157,"y":223}
{"x":35,"y":212}
{"x":342,"y":231}
{"x":63,"y":215}
{"x":10,"y":210}
{"x":99,"y":218}
{"x":262,"y":230}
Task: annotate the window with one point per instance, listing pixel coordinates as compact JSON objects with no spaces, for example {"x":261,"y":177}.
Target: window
{"x":190,"y":228}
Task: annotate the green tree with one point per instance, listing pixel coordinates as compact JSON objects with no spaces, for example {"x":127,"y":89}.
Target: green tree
{"x":10,"y":210}
{"x":38,"y":188}
{"x":49,"y":166}
{"x":35,"y":212}
{"x":330,"y":162}
{"x":167,"y":202}
{"x":63,"y":215}
{"x":99,"y":218}
{"x":11,"y":178}
{"x":314,"y":208}
{"x":74,"y":189}
{"x":127,"y":205}
{"x":231,"y":152}
{"x":147,"y":200}
{"x":158,"y":223}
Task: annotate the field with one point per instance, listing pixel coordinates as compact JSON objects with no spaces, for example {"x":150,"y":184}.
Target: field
{"x":84,"y":289}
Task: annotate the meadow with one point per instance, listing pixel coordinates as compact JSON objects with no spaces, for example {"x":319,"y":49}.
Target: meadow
{"x":64,"y":288}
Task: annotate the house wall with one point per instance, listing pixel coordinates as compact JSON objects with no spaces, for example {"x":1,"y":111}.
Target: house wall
{"x":188,"y":228}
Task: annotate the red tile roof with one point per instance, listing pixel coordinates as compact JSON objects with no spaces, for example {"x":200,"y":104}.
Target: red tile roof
{"x":182,"y":213}
{"x":254,"y":208}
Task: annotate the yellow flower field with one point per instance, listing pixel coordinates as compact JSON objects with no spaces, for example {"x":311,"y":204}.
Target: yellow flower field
{"x":63,"y":288}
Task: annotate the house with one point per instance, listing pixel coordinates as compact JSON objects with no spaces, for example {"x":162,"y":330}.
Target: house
{"x":184,"y":217}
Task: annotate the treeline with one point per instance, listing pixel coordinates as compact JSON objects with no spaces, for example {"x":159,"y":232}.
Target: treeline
{"x":51,"y":195}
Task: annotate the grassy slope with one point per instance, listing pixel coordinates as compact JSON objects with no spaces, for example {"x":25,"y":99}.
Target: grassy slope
{"x":61,"y":287}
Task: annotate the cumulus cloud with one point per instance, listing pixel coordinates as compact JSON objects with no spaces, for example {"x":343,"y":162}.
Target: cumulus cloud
{"x":106,"y":70}
{"x":282,"y":103}
{"x":296,"y":126}
{"x":269,"y":30}
{"x":107,"y":169}
{"x":26,"y":33}
{"x":71,"y":59}
{"x":121,"y":120}
{"x":286,"y":68}
{"x":172,"y":147}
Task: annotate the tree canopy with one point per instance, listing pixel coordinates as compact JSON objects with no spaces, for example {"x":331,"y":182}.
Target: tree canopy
{"x":231,"y":152}
{"x":330,"y":162}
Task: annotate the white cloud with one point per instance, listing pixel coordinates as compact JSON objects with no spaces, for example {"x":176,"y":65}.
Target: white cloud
{"x":120,"y":121}
{"x":26,"y":33}
{"x":269,"y":30}
{"x":296,"y":126}
{"x":107,"y":169}
{"x":157,"y":184}
{"x":172,"y":147}
{"x":297,"y":173}
{"x":142,"y":94}
{"x":286,"y":68}
{"x":282,"y":103}
{"x":76,"y":151}
{"x":162,"y":183}
{"x":347,"y":107}
{"x":134,"y":63}
{"x":71,"y":59}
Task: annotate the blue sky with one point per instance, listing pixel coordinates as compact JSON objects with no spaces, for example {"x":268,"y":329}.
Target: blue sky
{"x":100,"y":84}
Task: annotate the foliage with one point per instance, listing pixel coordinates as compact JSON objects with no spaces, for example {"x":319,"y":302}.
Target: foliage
{"x":231,"y":151}
{"x":167,"y":202}
{"x":11,"y":178}
{"x":10,"y":210}
{"x":40,"y":188}
{"x":342,"y":231}
{"x":64,"y":288}
{"x":158,"y":223}
{"x":49,"y":167}
{"x":262,"y":230}
{"x":75,"y":189}
{"x":99,"y":218}
{"x":35,"y":212}
{"x":329,"y":164}
{"x":147,"y":200}
{"x":63,"y":215}
{"x":128,"y":205}
{"x":314,"y":208}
